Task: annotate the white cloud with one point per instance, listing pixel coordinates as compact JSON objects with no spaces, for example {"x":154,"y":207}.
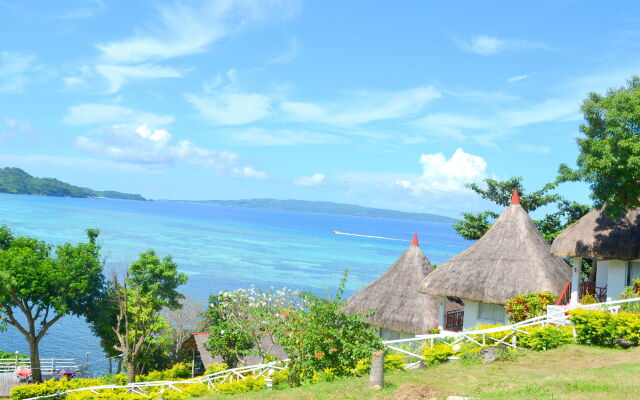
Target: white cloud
{"x":282,"y":137}
{"x":117,"y":75}
{"x":313,"y":180}
{"x":446,"y":175}
{"x":519,"y":78}
{"x":488,"y":45}
{"x":146,"y":146}
{"x":181,"y":30}
{"x":14,"y":71}
{"x":248,"y":172}
{"x":362,"y":107}
{"x":90,"y":114}
{"x":231,"y":108}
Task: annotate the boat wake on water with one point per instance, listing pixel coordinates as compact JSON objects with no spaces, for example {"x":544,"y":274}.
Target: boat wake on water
{"x":337,"y":232}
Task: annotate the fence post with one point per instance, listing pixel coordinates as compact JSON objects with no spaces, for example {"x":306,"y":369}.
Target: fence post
{"x":376,"y":376}
{"x":17,"y":353}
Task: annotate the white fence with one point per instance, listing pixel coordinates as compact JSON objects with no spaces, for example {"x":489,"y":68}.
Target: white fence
{"x":210,"y":380}
{"x":556,"y":315}
{"x":47,"y":365}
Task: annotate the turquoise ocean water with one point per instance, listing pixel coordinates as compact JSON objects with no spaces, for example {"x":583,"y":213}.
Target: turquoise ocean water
{"x":220,"y":248}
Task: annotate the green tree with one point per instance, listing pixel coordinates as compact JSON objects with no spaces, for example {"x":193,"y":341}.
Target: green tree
{"x":150,"y":284}
{"x":609,"y":159}
{"x":46,"y":283}
{"x":474,"y":225}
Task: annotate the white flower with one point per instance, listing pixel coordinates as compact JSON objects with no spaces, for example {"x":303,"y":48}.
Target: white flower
{"x":222,"y":332}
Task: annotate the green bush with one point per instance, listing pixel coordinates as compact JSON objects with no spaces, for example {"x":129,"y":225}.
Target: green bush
{"x":392,"y":362}
{"x":603,"y":328}
{"x":588,"y":299}
{"x":215,"y":367}
{"x":437,"y":354}
{"x":324,"y":336}
{"x":530,"y":305}
{"x":547,"y":338}
{"x":4,"y":354}
{"x":631,"y":292}
{"x":175,"y":373}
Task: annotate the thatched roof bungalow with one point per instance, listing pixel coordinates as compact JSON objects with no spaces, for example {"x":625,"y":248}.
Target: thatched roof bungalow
{"x":400,"y":310}
{"x":615,"y":245}
{"x":510,"y":259}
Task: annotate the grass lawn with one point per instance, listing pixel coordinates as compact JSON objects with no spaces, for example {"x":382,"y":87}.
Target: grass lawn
{"x":571,"y":372}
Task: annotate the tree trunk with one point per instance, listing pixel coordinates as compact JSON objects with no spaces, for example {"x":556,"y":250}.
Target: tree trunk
{"x":34,"y":355}
{"x":110,"y":366}
{"x":119,"y":369}
{"x":131,"y":372}
{"x":376,"y":376}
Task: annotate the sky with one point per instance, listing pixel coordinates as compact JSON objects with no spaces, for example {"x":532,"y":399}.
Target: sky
{"x":392,"y":104}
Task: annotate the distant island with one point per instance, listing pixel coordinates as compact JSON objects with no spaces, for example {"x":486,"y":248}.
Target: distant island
{"x":17,"y":181}
{"x":326,"y":207}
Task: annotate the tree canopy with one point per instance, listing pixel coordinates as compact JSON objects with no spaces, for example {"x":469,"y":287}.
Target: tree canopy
{"x":474,"y":225}
{"x":46,"y":283}
{"x":609,"y":159}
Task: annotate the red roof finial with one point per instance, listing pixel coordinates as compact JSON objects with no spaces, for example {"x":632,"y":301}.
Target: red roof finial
{"x":515,"y":199}
{"x":415,"y":240}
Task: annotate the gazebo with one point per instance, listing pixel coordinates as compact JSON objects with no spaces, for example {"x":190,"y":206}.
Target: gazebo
{"x":510,"y":259}
{"x":615,"y":245}
{"x":399,"y":309}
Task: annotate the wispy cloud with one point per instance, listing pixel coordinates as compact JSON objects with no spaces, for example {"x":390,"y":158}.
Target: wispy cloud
{"x":363,"y":107}
{"x":94,"y":114}
{"x":180,"y":30}
{"x":282,"y":137}
{"x":488,"y":45}
{"x":231,"y":108}
{"x":294,"y":50}
{"x":519,"y":78}
{"x":117,"y":75}
{"x":316,"y":179}
{"x":15,"y":71}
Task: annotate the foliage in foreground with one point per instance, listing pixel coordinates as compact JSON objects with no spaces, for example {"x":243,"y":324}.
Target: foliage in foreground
{"x":323,"y":336}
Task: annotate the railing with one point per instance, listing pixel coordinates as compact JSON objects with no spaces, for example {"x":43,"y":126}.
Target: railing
{"x":47,"y":365}
{"x":600,"y":293}
{"x":453,"y":320}
{"x":556,"y":315}
{"x":210,"y":380}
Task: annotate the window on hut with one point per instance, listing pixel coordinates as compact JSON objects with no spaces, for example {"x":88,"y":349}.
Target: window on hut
{"x":492,"y":313}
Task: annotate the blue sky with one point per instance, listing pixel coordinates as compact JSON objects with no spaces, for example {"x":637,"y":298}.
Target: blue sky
{"x":386,"y":104}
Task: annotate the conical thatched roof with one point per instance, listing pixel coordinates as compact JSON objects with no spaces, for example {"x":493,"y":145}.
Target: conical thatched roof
{"x":510,"y":259}
{"x":597,"y":236}
{"x":395,"y":298}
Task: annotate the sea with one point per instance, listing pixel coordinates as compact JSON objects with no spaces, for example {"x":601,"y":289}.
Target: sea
{"x":219,"y":247}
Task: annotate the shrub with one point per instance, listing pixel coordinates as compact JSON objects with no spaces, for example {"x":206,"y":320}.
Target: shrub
{"x":177,"y":372}
{"x":588,"y":299}
{"x":530,"y":305}
{"x":593,"y":326}
{"x":602,"y":328}
{"x":631,"y":292}
{"x":392,"y":362}
{"x":215,"y":367}
{"x":323,"y":336}
{"x":249,"y":384}
{"x":437,"y":354}
{"x":547,"y":338}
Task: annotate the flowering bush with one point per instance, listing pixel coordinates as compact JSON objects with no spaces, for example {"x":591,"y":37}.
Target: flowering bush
{"x":530,"y":305}
{"x":392,"y":362}
{"x":437,"y":354}
{"x":324,"y":337}
{"x":239,"y":318}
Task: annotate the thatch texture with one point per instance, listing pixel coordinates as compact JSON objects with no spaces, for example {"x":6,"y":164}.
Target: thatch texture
{"x":395,"y":299}
{"x":597,"y":236}
{"x":510,"y":259}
